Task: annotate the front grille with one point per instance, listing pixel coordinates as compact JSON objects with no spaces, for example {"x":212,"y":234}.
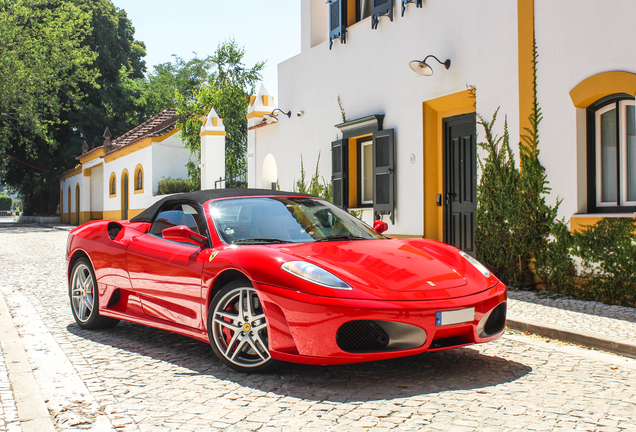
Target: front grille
{"x":361,"y":336}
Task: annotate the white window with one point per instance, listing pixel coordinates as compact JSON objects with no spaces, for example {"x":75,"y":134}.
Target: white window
{"x":615,"y":154}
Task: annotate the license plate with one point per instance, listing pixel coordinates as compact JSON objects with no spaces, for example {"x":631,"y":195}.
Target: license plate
{"x":455,"y":317}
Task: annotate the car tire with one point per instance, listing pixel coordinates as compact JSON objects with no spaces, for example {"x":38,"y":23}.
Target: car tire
{"x":85,"y":298}
{"x":239,"y":340}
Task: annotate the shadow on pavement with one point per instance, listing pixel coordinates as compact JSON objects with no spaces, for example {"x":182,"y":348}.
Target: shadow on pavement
{"x":458,"y":369}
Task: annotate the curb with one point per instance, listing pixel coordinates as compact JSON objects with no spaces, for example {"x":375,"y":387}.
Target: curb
{"x":32,"y":412}
{"x":622,"y":346}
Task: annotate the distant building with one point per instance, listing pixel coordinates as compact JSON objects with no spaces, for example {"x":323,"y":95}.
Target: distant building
{"x":119,"y":179}
{"x":403,"y":147}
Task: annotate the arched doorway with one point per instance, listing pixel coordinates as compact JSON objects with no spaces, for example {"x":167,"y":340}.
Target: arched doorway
{"x":270,"y":172}
{"x":70,"y":221}
{"x":77,"y":204}
{"x":124,"y":195}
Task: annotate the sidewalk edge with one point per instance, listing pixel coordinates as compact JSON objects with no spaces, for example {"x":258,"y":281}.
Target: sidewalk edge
{"x":615,"y":345}
{"x":32,"y":411}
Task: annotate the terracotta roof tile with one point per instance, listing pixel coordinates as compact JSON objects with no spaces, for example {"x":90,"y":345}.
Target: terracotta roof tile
{"x":158,"y":125}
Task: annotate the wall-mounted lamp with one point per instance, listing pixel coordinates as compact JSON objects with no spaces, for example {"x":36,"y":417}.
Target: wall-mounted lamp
{"x":422,"y":69}
{"x":273,"y":118}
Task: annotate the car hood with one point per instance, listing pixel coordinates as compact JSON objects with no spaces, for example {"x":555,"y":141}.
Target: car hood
{"x":393,"y":264}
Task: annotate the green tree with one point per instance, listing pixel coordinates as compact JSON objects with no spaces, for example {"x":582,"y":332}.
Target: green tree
{"x":42,"y":57}
{"x":229,"y":83}
{"x":159,"y":91}
{"x":83,"y":72}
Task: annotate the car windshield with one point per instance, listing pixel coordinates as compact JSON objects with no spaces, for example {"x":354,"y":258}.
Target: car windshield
{"x":265,"y":220}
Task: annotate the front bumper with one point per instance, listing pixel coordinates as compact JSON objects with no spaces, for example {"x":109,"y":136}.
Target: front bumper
{"x":302,"y":328}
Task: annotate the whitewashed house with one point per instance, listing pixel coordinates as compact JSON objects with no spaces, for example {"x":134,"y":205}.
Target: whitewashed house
{"x":407,"y":150}
{"x":120,"y":179}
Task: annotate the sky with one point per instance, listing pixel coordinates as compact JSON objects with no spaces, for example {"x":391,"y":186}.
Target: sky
{"x":267,"y":30}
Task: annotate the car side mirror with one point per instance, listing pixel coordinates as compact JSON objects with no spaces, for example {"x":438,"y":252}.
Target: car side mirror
{"x":182,"y":233}
{"x":380,"y":226}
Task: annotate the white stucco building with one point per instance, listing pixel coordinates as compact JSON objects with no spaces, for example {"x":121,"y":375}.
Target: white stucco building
{"x":120,"y":179}
{"x":408,"y":146}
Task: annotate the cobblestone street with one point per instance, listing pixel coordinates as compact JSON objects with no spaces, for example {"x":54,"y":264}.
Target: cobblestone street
{"x":134,"y":378}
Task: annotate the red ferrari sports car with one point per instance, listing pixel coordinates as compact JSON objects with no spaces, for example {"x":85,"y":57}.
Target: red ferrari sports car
{"x":267,"y":276}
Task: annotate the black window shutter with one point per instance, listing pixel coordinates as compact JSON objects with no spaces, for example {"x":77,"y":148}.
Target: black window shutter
{"x":339,"y":172}
{"x":381,"y":7}
{"x":384,"y":173}
{"x":337,"y":21}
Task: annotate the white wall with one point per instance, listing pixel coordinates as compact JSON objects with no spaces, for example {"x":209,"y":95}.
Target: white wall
{"x":97,"y":189}
{"x":128,"y":162}
{"x":169,"y":158}
{"x":371,"y":74}
{"x":576,"y":39}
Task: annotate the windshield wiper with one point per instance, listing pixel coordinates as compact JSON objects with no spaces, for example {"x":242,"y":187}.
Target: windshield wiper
{"x":340,"y":237}
{"x":260,"y":240}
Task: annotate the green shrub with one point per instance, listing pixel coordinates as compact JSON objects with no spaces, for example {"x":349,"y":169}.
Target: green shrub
{"x":317,"y":186}
{"x":6,"y":202}
{"x":171,"y":186}
{"x":554,"y":264}
{"x":608,"y":254}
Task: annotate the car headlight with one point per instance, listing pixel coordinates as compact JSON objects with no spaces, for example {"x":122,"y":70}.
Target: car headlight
{"x":315,"y":274}
{"x":479,"y":266}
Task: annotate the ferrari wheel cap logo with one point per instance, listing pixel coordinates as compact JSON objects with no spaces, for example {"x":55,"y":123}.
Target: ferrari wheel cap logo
{"x":247,"y":327}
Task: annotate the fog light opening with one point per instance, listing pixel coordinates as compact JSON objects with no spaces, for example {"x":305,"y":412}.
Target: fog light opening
{"x":493,"y":322}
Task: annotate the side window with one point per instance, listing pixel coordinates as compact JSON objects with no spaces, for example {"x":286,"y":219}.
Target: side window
{"x":179,"y":214}
{"x":612,"y":155}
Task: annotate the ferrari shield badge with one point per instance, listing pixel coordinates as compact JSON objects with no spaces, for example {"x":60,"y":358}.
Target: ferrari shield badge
{"x":213,"y":255}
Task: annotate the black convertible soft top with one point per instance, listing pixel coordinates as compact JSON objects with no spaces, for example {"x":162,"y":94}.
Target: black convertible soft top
{"x":202,"y":196}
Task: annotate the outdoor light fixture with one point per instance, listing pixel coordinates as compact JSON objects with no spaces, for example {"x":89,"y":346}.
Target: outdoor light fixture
{"x":423,"y":69}
{"x":273,"y":118}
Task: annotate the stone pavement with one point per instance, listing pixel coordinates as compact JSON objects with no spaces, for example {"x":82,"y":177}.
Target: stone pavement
{"x":140,"y":379}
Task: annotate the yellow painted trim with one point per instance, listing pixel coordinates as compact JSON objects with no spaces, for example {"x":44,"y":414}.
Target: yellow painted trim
{"x":351,"y":12}
{"x":78,"y":212}
{"x":212,"y":133}
{"x":90,"y":157}
{"x":134,"y":212}
{"x":85,"y":216}
{"x":582,"y":223}
{"x":110,"y":183}
{"x":433,"y":112}
{"x":255,"y":114}
{"x":525,"y":29}
{"x":143,"y":179}
{"x":252,"y":100}
{"x":77,"y":170}
{"x":265,"y":100}
{"x":97,"y":215}
{"x":352,"y":172}
{"x":88,"y":171}
{"x":111,"y":215}
{"x":215,"y":121}
{"x":69,"y":203}
{"x":139,"y":145}
{"x":352,"y":145}
{"x":600,"y":85}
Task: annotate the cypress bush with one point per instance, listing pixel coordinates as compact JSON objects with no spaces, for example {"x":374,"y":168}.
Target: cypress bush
{"x":171,"y":186}
{"x":6,"y":202}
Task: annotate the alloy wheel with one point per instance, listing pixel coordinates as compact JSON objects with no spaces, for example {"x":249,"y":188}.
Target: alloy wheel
{"x":239,"y":329}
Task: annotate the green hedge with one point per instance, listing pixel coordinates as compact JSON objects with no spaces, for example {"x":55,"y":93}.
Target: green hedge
{"x":171,"y":186}
{"x":6,"y":202}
